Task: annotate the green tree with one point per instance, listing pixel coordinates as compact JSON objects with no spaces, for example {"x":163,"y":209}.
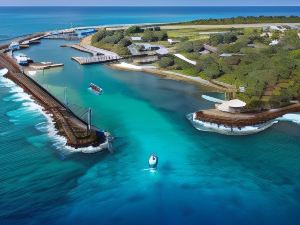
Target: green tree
{"x":215,"y":39}
{"x":166,"y":61}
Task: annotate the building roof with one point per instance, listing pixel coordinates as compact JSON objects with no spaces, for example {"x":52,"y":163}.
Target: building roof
{"x":136,"y":38}
{"x":235,"y":103}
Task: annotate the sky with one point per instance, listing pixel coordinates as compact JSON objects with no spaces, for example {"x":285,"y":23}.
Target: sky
{"x":149,"y":2}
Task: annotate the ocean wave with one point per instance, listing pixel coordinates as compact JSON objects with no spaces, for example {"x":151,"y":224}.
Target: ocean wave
{"x":29,"y":105}
{"x":290,"y":117}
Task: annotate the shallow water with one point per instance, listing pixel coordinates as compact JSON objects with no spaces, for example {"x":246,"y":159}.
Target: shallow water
{"x":202,"y":177}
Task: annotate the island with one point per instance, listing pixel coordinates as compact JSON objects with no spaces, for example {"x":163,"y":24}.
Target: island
{"x":254,"y":61}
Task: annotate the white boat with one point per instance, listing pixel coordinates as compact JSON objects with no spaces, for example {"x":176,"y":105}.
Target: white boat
{"x":14,"y":46}
{"x":22,"y":59}
{"x":153,"y":161}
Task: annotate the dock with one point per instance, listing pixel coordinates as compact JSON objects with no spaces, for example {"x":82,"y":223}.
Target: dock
{"x":77,"y":132}
{"x":95,"y":59}
{"x":98,"y":55}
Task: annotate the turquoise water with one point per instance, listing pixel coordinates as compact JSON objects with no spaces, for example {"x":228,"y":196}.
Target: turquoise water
{"x":203,"y":178}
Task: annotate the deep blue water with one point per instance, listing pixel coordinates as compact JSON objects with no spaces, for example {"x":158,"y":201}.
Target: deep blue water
{"x":23,"y":20}
{"x":203,"y":178}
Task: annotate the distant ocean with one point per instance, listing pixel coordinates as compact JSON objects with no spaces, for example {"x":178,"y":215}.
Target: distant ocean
{"x":22,"y":20}
{"x":202,"y":178}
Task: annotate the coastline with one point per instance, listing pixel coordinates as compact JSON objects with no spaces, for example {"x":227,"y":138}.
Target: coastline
{"x":173,"y":76}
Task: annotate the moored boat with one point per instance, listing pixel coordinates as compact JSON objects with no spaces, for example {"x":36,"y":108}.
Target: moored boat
{"x":96,"y":89}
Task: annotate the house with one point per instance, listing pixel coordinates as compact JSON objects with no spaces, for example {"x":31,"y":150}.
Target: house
{"x":147,"y":49}
{"x":274,"y":28}
{"x":171,"y":41}
{"x":232,"y":106}
{"x":136,"y":38}
{"x":210,"y":48}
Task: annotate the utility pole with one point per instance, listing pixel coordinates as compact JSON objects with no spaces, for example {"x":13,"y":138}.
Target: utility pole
{"x":65,"y":96}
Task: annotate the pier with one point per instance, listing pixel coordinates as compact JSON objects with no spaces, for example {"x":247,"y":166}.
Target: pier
{"x":77,"y":132}
{"x":95,"y":59}
{"x":98,"y":55}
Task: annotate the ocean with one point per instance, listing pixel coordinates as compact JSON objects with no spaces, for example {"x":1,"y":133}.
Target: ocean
{"x":202,"y":178}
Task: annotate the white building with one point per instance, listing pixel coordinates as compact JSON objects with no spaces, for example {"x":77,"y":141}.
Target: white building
{"x":274,"y":42}
{"x":136,"y":38}
{"x":232,"y":106}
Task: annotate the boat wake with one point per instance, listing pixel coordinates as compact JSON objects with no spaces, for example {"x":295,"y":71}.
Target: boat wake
{"x":28,"y":104}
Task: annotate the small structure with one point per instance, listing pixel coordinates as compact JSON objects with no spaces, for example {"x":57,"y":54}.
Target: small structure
{"x":274,"y":28}
{"x":136,"y":38}
{"x":226,"y":55}
{"x":22,"y":59}
{"x":204,"y":52}
{"x":242,"y":89}
{"x":210,"y":48}
{"x":274,"y":42}
{"x":147,"y":49}
{"x":172,"y":42}
{"x":14,"y":46}
{"x":232,"y":106}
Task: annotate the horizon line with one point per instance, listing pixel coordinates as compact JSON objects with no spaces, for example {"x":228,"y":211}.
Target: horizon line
{"x":150,"y":5}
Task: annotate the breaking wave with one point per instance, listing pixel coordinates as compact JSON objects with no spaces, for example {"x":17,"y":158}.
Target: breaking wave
{"x":29,"y":105}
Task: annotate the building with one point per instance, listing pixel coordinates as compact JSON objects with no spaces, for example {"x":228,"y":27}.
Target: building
{"x":274,"y":42}
{"x":136,"y":38}
{"x":210,"y":48}
{"x":171,"y":41}
{"x":232,"y":106}
{"x":14,"y":46}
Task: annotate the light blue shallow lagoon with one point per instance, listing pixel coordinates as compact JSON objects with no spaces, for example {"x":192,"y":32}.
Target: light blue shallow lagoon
{"x":202,"y":178}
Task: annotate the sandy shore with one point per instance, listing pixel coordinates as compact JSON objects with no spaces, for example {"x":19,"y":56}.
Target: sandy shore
{"x":171,"y":75}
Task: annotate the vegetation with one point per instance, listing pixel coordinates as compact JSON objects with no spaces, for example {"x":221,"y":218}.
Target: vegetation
{"x":166,"y":61}
{"x":151,"y":36}
{"x":246,"y":20}
{"x":112,"y":40}
{"x":269,"y":75}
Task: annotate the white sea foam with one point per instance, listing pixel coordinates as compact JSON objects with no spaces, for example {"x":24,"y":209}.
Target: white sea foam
{"x":290,"y":117}
{"x":222,"y":129}
{"x":59,"y":142}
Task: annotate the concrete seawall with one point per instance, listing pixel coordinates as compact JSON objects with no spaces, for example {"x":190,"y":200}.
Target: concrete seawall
{"x":70,"y":126}
{"x":244,"y":119}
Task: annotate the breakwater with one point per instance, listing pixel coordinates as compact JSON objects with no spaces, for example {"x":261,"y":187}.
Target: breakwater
{"x":244,"y":119}
{"x":76,"y":131}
